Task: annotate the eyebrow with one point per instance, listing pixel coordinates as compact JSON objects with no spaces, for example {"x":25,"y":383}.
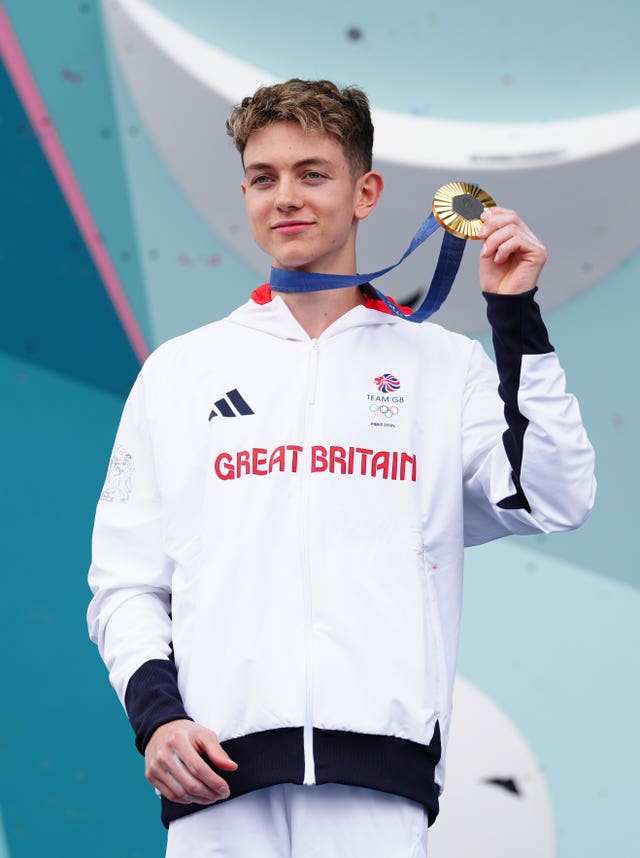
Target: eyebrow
{"x":305,"y":162}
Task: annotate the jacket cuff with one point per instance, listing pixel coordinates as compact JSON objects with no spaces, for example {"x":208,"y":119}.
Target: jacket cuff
{"x":517,"y":325}
{"x":152,"y":699}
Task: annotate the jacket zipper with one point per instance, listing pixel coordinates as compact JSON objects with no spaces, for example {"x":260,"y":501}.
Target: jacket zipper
{"x":309,"y":760}
{"x":313,"y":373}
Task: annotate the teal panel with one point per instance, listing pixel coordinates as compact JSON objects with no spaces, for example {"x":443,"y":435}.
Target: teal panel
{"x":63,"y":44}
{"x":469,"y":60}
{"x":71,"y":782}
{"x":55,"y":309}
{"x":557,"y":648}
{"x":596,"y":335}
{"x":4,"y":848}
{"x":192,"y":275}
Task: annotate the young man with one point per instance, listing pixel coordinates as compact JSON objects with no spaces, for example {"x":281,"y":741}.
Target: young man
{"x":277,"y":596}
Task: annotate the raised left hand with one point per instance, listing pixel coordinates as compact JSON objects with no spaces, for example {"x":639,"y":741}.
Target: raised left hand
{"x":511,"y":257}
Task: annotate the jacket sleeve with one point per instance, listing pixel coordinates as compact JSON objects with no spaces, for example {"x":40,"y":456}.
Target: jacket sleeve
{"x":129,"y":617}
{"x":527,"y":461}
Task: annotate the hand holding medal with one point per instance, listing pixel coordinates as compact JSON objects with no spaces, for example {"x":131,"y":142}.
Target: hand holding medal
{"x":511,"y":256}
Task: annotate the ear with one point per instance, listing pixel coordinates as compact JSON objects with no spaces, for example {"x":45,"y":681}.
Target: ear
{"x":368,"y":189}
{"x":244,"y":189}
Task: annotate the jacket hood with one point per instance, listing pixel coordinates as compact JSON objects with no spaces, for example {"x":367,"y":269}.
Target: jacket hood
{"x":270,"y":314}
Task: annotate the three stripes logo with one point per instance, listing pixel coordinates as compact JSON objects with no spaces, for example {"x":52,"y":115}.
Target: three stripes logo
{"x":222,"y":408}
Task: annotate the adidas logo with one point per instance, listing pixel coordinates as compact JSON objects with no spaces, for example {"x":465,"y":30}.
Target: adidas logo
{"x":222,"y":408}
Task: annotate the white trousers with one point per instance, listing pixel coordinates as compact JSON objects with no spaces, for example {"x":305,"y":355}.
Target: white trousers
{"x":291,"y":821}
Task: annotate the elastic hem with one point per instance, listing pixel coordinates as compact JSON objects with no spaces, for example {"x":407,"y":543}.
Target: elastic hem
{"x":391,"y":765}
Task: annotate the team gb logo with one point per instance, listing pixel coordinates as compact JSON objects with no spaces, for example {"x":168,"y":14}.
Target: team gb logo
{"x":387,"y":383}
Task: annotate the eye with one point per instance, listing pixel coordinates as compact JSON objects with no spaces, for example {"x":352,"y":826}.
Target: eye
{"x":314,"y":175}
{"x":261,"y":180}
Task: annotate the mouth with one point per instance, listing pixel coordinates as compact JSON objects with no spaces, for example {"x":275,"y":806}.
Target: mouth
{"x":291,"y":227}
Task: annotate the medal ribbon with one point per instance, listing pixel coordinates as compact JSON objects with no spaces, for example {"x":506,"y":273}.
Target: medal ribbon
{"x":447,"y":267}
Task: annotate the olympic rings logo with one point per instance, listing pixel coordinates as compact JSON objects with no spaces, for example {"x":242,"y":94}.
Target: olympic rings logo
{"x":384,"y":410}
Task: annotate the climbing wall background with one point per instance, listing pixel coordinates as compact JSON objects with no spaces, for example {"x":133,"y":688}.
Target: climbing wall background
{"x":103,"y":255}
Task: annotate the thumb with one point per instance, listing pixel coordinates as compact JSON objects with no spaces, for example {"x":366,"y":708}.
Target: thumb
{"x":216,"y":752}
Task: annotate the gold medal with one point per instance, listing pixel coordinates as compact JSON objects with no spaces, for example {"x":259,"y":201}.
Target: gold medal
{"x":457,"y":207}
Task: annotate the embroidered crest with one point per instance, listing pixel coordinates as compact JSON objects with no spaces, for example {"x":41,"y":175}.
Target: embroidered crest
{"x":117,"y":486}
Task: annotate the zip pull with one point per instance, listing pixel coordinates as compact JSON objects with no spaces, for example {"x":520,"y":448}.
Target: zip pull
{"x":313,"y":372}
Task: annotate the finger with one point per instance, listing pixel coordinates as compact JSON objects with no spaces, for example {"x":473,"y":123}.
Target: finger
{"x":205,"y":775}
{"x":216,"y":753}
{"x":496,"y":219}
{"x":176,"y":782}
{"x":194,"y":789}
{"x":492,"y":242}
{"x":171,"y":787}
{"x":498,"y":236}
{"x":494,"y":212}
{"x":493,"y":220}
{"x":198,"y":768}
{"x":506,"y":249}
{"x":204,"y":787}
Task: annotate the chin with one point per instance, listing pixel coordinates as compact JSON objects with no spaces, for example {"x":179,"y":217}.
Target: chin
{"x":294,"y":263}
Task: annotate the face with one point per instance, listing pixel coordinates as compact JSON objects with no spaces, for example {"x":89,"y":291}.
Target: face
{"x":302,"y":202}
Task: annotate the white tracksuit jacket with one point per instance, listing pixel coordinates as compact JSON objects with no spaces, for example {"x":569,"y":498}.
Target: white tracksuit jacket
{"x":278,"y":547}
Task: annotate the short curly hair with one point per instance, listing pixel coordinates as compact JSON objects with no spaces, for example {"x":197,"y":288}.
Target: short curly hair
{"x":318,"y":106}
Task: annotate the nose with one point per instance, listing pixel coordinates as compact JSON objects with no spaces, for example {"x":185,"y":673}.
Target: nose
{"x":288,"y":195}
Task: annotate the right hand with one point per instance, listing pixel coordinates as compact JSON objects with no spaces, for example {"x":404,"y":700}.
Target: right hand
{"x":174,"y":765}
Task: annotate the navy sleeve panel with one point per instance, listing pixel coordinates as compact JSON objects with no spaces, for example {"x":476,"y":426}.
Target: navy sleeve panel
{"x":152,"y":699}
{"x":518,"y":330}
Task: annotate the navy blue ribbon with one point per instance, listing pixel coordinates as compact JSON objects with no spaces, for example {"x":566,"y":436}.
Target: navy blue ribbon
{"x":449,"y":260}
